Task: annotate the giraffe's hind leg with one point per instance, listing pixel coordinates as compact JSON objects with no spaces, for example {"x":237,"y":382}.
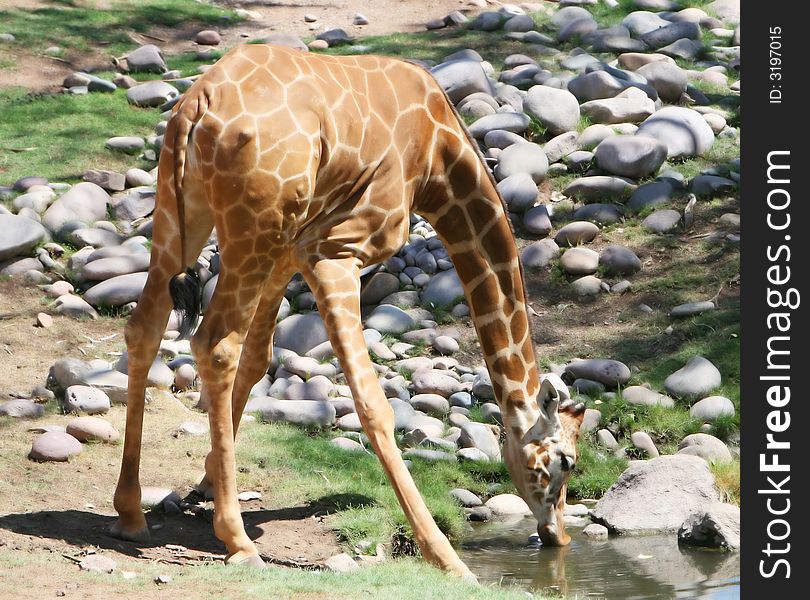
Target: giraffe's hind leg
{"x":336,"y":285}
{"x":255,"y":359}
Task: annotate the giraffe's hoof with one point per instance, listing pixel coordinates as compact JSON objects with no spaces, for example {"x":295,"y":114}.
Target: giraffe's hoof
{"x":245,"y":560}
{"x":133,"y":534}
{"x":461,"y":571}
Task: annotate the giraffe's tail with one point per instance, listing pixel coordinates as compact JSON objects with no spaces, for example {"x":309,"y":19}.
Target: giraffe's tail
{"x":185,"y":287}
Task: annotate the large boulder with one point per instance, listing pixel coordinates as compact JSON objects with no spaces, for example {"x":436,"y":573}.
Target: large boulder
{"x":300,"y":333}
{"x":684,"y":131}
{"x":19,"y":236}
{"x":443,"y":289}
{"x":630,"y":156}
{"x":117,"y":291}
{"x":715,"y":526}
{"x":656,"y":496}
{"x":460,"y":78}
{"x":557,"y":110}
{"x":305,"y":413}
{"x":83,"y":204}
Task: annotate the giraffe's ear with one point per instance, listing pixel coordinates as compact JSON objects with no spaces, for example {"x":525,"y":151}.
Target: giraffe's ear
{"x":553,"y":391}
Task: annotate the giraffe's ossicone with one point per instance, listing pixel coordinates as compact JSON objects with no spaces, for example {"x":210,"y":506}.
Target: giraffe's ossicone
{"x":312,"y":164}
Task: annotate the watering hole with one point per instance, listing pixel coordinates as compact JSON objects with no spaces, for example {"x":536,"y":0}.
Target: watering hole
{"x":621,"y":568}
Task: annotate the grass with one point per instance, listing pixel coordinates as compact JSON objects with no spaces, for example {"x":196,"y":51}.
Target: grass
{"x":727,"y":480}
{"x":79,"y":26}
{"x":595,"y":472}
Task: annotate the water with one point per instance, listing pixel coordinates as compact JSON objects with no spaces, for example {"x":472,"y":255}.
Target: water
{"x":621,"y":568}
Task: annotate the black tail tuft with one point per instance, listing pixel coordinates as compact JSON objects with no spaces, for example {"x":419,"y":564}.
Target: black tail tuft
{"x":186,"y":292}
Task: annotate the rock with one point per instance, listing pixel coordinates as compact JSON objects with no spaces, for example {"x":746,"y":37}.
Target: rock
{"x":341,"y":563}
{"x":691,"y":308}
{"x":300,"y":333}
{"x":610,"y":373}
{"x":377,"y":287}
{"x":114,"y":266}
{"x":591,"y":420}
{"x":715,"y":526}
{"x":567,"y":15}
{"x":644,"y":442}
{"x":638,"y":394}
{"x":460,"y":78}
{"x":592,"y":135}
{"x":305,"y":413}
{"x":111,"y":382}
{"x":347,"y":444}
{"x":587,"y":286}
{"x":445,"y":345}
{"x":481,"y":436}
{"x":87,"y":400}
{"x":640,"y":22}
{"x":629,"y":106}
{"x":673,"y":32}
{"x":707,"y":447}
{"x":576,"y":232}
{"x":97,"y":563}
{"x":619,"y":260}
{"x":431,"y":381}
{"x":443,"y":289}
{"x":136,"y":204}
{"x":698,"y":377}
{"x":482,"y":385}
{"x":712,"y":407}
{"x":21,"y":266}
{"x":478,"y":514}
{"x":19,"y":236}
{"x":317,"y":388}
{"x":208,"y":37}
{"x":153,"y":93}
{"x":522,"y":158}
{"x":595,"y":85}
{"x":507,"y":504}
{"x":465,"y":498}
{"x":656,"y":496}
{"x":92,"y":429}
{"x":146,"y":59}
{"x":432,"y":404}
{"x":561,"y":146}
{"x":138,"y":177}
{"x":599,"y":188}
{"x":577,"y":29}
{"x":308,"y":368}
{"x":127,"y":144}
{"x":603,"y":214}
{"x":595,"y":532}
{"x":117,"y":291}
{"x":537,"y":220}
{"x":579,"y":261}
{"x":539,"y":254}
{"x":668,"y":79}
{"x":429,"y":455}
{"x":390,"y":319}
{"x":711,"y":186}
{"x":606,"y":440}
{"x":54,"y":446}
{"x":157,"y":497}
{"x":83,"y":204}
{"x":21,"y":409}
{"x":557,"y":110}
{"x":507,"y":121}
{"x":631,"y":156}
{"x":683,"y":130}
{"x":107,"y":180}
{"x":36,"y":200}
{"x":651,"y":194}
{"x":663,"y":221}
{"x":335,"y":37}
{"x":472,"y":455}
{"x":74,"y":307}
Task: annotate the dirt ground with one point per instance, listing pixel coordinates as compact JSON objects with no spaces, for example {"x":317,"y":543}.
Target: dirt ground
{"x":37,"y":72}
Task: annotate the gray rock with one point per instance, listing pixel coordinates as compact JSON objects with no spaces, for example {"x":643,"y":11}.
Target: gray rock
{"x":587,"y":286}
{"x":472,"y":455}
{"x":21,"y":409}
{"x":697,"y":378}
{"x":663,"y":221}
{"x":286,"y":39}
{"x":126,"y":144}
{"x":135,"y":204}
{"x":712,"y":407}
{"x":54,"y":446}
{"x":619,"y":260}
{"x":656,"y":496}
{"x":569,"y":14}
{"x":443,"y":289}
{"x":92,"y":429}
{"x":335,"y":37}
{"x":537,"y":220}
{"x":519,"y":192}
{"x":683,"y":130}
{"x":300,"y":333}
{"x":507,"y":121}
{"x":651,"y":194}
{"x":461,"y":399}
{"x":317,"y":388}
{"x":591,"y":420}
{"x":307,"y":368}
{"x":86,"y":400}
{"x":106,"y":268}
{"x":482,"y":385}
{"x":561,"y":146}
{"x":599,"y":188}
{"x":502,"y":139}
{"x":606,"y":440}
{"x":691,"y":308}
{"x":19,"y":236}
{"x":711,"y":186}
{"x":75,"y":307}
{"x":595,"y":531}
{"x":522,"y":158}
{"x":460,"y":78}
{"x":715,"y":526}
{"x":378,"y":286}
{"x":644,"y":442}
{"x":673,"y":32}
{"x":603,"y":214}
{"x":579,"y":261}
{"x":432,"y":404}
{"x":707,"y":447}
{"x":341,"y":563}
{"x":107,"y":180}
{"x":146,"y":59}
{"x":630,"y":106}
{"x":98,"y":563}
{"x":630,"y":156}
{"x":37,"y":200}
{"x":432,"y":381}
{"x":638,"y":394}
{"x":668,"y":79}
{"x":117,"y":291}
{"x":83,"y":204}
{"x":539,"y":254}
{"x":445,"y":345}
{"x":640,"y":22}
{"x":595,"y":85}
{"x":588,"y":387}
{"x":14,"y":267}
{"x":429,"y":455}
{"x":304,"y":413}
{"x":97,"y":237}
{"x":611,"y":373}
{"x":507,"y":504}
{"x":580,"y":28}
{"x":153,"y":93}
{"x":557,"y":110}
{"x":576,"y":232}
{"x":520,"y":23}
{"x":481,"y":436}
{"x":465,"y":498}
{"x":390,"y":319}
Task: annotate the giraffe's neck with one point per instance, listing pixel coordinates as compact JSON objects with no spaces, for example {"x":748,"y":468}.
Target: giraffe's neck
{"x":479,"y":239}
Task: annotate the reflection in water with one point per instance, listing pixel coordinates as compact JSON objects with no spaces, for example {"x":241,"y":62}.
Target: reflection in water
{"x":622,"y":568}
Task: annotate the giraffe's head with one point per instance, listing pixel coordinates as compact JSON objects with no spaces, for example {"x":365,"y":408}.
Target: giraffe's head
{"x":541,"y":462}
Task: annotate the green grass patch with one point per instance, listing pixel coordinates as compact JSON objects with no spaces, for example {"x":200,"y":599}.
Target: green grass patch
{"x":595,"y":472}
{"x":727,"y":480}
{"x":67,"y":133}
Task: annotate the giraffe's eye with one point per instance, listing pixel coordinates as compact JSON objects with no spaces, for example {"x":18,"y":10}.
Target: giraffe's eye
{"x":567,"y":463}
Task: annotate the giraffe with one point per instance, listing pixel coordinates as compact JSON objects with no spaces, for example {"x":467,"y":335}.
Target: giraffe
{"x":312,"y":164}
